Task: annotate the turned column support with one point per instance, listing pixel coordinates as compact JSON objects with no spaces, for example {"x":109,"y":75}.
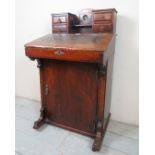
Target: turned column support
{"x":43,"y":112}
{"x":100,"y":108}
{"x":39,"y":61}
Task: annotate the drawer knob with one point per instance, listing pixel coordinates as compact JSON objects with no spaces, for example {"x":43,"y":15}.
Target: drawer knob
{"x":102,"y":28}
{"x":59,"y":52}
{"x":59,"y":20}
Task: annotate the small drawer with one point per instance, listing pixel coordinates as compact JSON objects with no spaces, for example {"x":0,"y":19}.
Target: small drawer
{"x":102,"y":16}
{"x":59,"y":19}
{"x":99,"y":28}
{"x":60,"y":29}
{"x":65,"y":54}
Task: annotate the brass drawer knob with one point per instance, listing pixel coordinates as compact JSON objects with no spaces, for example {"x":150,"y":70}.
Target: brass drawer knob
{"x":59,"y":20}
{"x":59,"y":52}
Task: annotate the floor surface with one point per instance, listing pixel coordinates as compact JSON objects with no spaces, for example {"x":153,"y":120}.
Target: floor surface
{"x":120,"y":139}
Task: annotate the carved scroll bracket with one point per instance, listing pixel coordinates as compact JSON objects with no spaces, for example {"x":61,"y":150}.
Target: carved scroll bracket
{"x":42,"y":118}
{"x":102,"y":70}
{"x":32,"y":59}
{"x":39,"y":63}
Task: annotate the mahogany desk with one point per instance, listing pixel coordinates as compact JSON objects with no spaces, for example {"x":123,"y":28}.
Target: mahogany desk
{"x":75,"y":79}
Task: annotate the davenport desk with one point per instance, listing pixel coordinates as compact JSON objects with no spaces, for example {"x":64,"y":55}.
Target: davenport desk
{"x":75,"y":78}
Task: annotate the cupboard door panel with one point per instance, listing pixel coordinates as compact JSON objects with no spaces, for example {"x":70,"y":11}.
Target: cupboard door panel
{"x":72,"y":93}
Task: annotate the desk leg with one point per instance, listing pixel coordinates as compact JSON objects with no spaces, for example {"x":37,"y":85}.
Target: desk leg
{"x":100,"y":109}
{"x":98,"y":138}
{"x":41,"y":119}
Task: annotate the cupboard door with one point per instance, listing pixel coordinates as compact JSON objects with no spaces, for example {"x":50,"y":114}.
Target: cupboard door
{"x":72,"y":94}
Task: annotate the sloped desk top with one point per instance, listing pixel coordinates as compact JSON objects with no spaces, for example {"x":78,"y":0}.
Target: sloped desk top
{"x":72,"y":47}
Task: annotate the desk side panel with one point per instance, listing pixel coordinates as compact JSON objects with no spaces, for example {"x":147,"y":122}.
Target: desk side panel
{"x":108,"y":62}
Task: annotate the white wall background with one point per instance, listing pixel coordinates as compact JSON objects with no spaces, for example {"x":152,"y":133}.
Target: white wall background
{"x":33,"y":20}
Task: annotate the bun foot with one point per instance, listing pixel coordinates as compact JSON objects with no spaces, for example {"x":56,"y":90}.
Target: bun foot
{"x":96,"y":146}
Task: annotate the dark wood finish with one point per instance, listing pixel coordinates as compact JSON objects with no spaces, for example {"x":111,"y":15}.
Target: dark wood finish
{"x":41,"y":120}
{"x":57,"y":19}
{"x":70,"y":47}
{"x":75,"y":96}
{"x":88,"y":21}
{"x":63,"y":22}
{"x":102,"y":16}
{"x":97,"y":28}
{"x":76,"y":72}
{"x":104,"y":21}
{"x":60,"y":28}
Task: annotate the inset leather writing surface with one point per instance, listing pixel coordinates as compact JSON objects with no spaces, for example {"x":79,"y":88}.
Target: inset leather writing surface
{"x":89,"y":42}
